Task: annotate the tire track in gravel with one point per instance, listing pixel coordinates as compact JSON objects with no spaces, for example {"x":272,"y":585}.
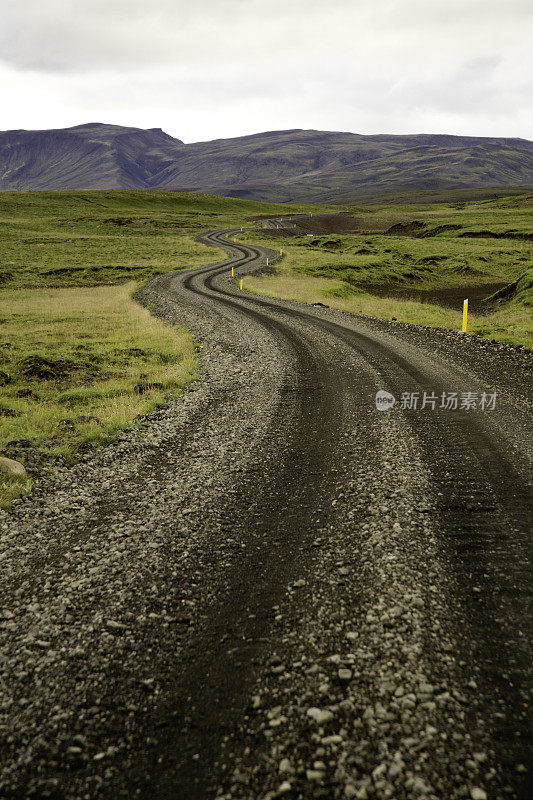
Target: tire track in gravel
{"x":286,"y":504}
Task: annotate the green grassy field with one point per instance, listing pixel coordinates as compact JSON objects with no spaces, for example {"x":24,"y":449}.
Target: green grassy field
{"x":420,"y":246}
{"x":398,"y":252}
{"x":76,"y":347}
{"x":78,"y":365}
{"x":55,"y":239}
{"x":405,"y":262}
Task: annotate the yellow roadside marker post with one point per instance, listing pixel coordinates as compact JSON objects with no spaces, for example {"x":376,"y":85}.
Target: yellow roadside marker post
{"x":267,"y":262}
{"x":240,"y":287}
{"x":232,"y":272}
{"x":465,"y":314}
{"x":281,"y":252}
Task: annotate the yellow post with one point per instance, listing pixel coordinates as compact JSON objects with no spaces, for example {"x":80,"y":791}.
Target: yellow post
{"x":277,"y":226}
{"x":281,"y":252}
{"x":240,"y":287}
{"x":232,"y":272}
{"x":267,"y":262}
{"x":241,"y":230}
{"x":465,"y":314}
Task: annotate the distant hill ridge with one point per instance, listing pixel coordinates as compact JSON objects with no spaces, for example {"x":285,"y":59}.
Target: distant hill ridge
{"x":299,"y":165}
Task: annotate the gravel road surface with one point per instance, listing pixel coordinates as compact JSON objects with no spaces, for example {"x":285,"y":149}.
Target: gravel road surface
{"x":273,"y":589}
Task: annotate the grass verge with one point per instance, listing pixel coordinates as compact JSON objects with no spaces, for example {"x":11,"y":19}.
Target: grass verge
{"x":79,"y":365}
{"x":511,"y":323}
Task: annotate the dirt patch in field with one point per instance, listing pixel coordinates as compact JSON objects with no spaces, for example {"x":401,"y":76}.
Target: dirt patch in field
{"x":525,"y":237}
{"x":449,"y":298}
{"x":45,"y":369}
{"x":442,"y":229}
{"x":413,"y":228}
{"x":327,"y":223}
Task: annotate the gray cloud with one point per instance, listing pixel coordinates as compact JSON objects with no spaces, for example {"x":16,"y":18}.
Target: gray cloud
{"x":199,"y":68}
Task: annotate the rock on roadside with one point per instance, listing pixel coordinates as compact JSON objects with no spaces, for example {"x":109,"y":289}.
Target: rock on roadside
{"x":10,"y":467}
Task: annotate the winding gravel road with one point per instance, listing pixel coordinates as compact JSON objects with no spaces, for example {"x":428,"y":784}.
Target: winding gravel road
{"x":272,"y":589}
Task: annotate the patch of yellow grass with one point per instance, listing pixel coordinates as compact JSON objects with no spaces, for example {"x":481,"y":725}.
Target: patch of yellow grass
{"x":110,"y":344}
{"x":512,"y":324}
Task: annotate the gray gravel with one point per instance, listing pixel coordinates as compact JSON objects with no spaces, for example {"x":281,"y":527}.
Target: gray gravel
{"x":372,"y":701}
{"x":365,"y":680}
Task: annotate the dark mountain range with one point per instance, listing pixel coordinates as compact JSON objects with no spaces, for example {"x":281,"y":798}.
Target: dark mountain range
{"x":288,"y":165}
{"x":91,"y":156}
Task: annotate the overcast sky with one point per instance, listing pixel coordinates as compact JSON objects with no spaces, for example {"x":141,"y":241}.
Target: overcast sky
{"x":206,"y":69}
